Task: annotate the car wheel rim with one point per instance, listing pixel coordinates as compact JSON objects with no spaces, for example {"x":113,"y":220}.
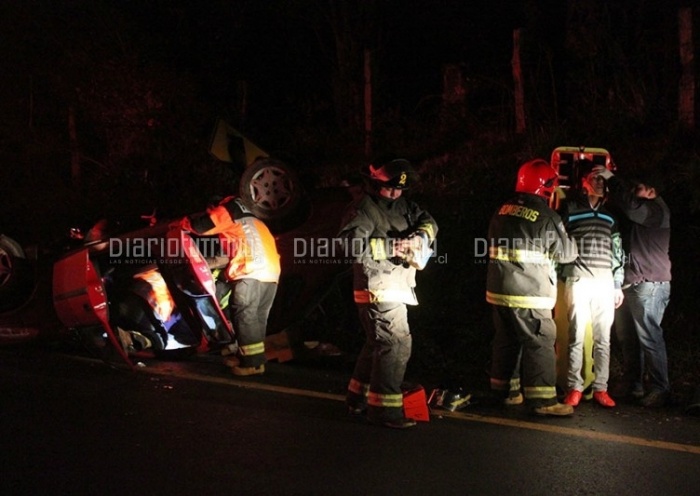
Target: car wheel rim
{"x":271,"y":188}
{"x":5,"y":267}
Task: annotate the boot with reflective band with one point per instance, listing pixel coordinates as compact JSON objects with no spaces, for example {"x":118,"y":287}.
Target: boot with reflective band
{"x":556,"y":410}
{"x":260,"y":369}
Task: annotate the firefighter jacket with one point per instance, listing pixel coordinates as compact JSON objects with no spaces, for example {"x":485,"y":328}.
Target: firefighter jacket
{"x":597,"y":238}
{"x":372,"y":224}
{"x":526,"y":241}
{"x":245,"y":239}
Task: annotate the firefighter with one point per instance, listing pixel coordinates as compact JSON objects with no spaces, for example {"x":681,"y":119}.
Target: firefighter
{"x":526,"y":241}
{"x":388,"y":237}
{"x":252,"y":274}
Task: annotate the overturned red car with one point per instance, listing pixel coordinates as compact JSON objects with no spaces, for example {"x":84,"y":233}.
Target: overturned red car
{"x":151,"y":290}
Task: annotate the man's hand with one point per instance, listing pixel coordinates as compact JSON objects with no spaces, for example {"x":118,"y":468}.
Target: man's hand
{"x":413,"y":250}
{"x":602,"y":171}
{"x":619,"y":297}
{"x":404,"y":247}
{"x":400,"y":248}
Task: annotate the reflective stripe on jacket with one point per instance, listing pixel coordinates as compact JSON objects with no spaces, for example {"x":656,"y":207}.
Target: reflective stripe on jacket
{"x":526,"y":239}
{"x":376,"y":222}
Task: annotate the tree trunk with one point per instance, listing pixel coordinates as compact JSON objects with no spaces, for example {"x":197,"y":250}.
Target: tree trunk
{"x":686,"y":90}
{"x":368,"y":104}
{"x":453,"y":89}
{"x":74,"y":150}
{"x":518,"y":85}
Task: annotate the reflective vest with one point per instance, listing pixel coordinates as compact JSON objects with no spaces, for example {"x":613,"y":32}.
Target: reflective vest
{"x":155,"y":292}
{"x":245,"y":239}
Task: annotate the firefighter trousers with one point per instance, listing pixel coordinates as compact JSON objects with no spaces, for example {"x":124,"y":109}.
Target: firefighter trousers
{"x":527,"y":334}
{"x":381,"y":364}
{"x":249,"y":306}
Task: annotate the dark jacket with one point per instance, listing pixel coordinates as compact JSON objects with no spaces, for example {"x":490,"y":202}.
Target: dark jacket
{"x":646,"y":236}
{"x":526,"y":241}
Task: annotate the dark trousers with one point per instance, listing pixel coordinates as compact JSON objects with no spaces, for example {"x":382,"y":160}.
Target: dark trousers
{"x":638,"y":329}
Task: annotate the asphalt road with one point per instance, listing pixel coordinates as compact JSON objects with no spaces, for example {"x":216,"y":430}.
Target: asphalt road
{"x":76,"y":426}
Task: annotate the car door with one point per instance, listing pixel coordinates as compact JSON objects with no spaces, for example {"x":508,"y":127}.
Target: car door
{"x":79,"y":296}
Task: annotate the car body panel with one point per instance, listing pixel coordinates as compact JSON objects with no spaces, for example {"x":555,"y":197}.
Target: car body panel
{"x":79,"y":295}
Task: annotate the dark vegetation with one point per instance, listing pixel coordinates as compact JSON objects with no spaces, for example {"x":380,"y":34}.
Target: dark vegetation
{"x":108,"y":107}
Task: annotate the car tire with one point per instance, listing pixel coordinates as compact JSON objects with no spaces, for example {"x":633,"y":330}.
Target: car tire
{"x":16,"y":277}
{"x":270,"y":189}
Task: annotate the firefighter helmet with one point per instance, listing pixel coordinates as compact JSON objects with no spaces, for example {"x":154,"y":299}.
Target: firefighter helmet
{"x":537,"y":177}
{"x":396,"y":174}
